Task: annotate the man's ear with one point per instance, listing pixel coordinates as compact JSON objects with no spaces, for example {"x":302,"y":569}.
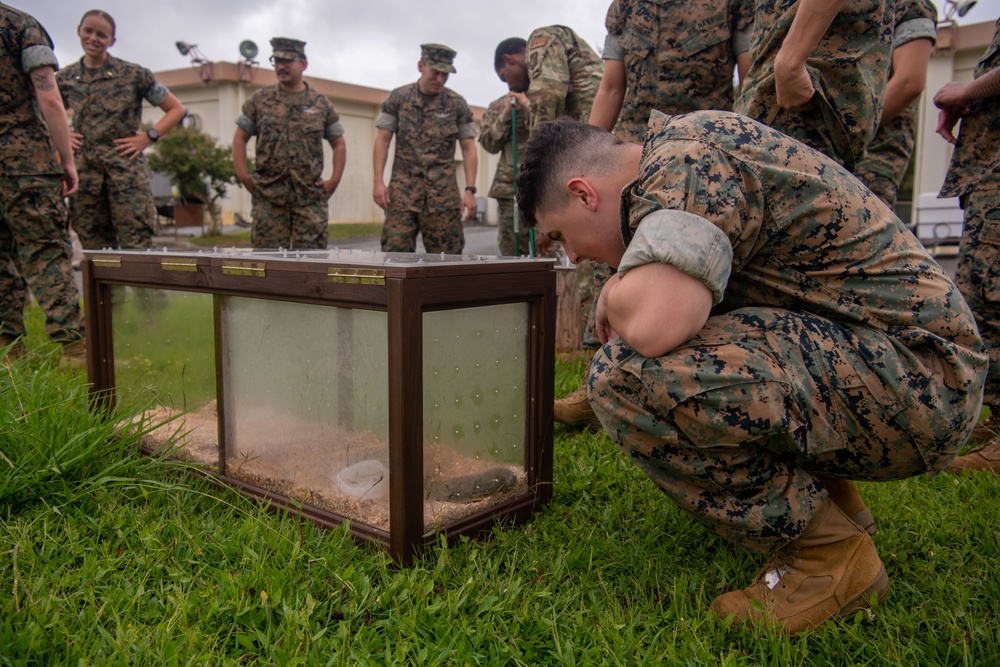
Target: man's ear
{"x":583,"y":193}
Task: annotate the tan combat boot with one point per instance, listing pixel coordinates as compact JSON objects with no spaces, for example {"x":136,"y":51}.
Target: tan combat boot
{"x":984,"y":458}
{"x":75,"y":354}
{"x":12,"y":348}
{"x":829,"y":571}
{"x":985,"y":430}
{"x":575,"y":409}
{"x":845,"y":494}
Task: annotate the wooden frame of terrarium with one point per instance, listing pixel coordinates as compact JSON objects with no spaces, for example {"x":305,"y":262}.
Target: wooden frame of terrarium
{"x":404,"y":287}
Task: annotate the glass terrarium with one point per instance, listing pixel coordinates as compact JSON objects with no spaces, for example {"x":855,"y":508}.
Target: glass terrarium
{"x":408,"y":394}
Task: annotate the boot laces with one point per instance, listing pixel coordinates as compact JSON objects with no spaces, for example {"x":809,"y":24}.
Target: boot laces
{"x":578,"y":395}
{"x":774,"y":572}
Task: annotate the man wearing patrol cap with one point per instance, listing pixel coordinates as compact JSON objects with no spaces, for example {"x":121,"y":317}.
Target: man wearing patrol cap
{"x":423,"y":196}
{"x":290,"y":121}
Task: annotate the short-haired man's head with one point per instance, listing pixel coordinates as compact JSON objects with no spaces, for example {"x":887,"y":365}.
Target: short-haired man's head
{"x":508,"y":47}
{"x":557,"y":151}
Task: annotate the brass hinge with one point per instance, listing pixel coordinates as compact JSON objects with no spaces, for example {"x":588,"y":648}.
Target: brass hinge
{"x":179,"y":264}
{"x":357,"y":276}
{"x":234,"y":268}
{"x":111,"y":261}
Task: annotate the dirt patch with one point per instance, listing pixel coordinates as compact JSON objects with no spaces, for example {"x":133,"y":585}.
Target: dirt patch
{"x":329,"y":467}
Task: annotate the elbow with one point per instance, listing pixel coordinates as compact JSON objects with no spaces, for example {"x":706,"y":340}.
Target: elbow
{"x":646,"y":346}
{"x":647,"y":337}
{"x":910,"y":87}
{"x":913,"y":88}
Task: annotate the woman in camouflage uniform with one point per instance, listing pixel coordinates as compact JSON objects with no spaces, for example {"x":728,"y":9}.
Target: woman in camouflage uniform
{"x":114,"y":206}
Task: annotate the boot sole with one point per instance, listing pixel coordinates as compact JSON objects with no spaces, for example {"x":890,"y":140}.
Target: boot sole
{"x":863,"y":600}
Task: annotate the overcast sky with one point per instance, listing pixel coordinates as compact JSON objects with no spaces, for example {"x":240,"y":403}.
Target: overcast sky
{"x":373,"y":44}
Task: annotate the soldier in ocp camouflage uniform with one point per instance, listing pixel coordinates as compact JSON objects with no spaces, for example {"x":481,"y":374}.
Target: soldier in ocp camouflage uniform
{"x":974,"y":177}
{"x":114,"y":205}
{"x":495,"y":135}
{"x":290,"y":121}
{"x":675,"y":57}
{"x":33,"y":233}
{"x":422,"y":198}
{"x":829,"y":95}
{"x":777,"y":328}
{"x":888,"y":154}
{"x":553,"y":74}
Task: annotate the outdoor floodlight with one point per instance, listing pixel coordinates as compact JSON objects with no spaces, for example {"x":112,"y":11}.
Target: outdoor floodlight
{"x":246,"y":65}
{"x":248,"y":49}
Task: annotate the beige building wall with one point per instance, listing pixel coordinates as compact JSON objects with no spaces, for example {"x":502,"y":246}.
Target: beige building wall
{"x":215,"y":105}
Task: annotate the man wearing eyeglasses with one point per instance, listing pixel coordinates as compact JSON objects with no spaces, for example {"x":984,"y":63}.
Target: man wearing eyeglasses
{"x":290,"y":121}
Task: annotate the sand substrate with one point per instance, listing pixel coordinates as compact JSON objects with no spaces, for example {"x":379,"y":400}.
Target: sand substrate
{"x":308,"y":465}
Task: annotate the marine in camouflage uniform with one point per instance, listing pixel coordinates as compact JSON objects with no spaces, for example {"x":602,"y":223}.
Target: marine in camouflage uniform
{"x":290,"y":203}
{"x":34,"y":241}
{"x":114,"y":207}
{"x":889,"y":152}
{"x":678,"y":57}
{"x":835,"y":346}
{"x":423,"y":194}
{"x":847,"y":68}
{"x":495,"y":136}
{"x":974,"y":177}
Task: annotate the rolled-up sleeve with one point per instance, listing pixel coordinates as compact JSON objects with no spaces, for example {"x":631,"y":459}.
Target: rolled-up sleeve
{"x":741,"y":40}
{"x":913,"y":29}
{"x":467,"y":131}
{"x":387,"y":121}
{"x":612,"y":49}
{"x":334,"y":130}
{"x":245,"y":124}
{"x":685,"y":241}
{"x":157,"y":93}
{"x":37,"y":56}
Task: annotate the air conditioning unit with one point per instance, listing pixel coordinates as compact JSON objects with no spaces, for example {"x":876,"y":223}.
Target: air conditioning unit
{"x":939,"y":221}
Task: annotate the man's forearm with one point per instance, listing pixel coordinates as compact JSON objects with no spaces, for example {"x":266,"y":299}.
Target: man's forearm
{"x":51,"y":106}
{"x":470,"y":160}
{"x":909,"y":74}
{"x":988,"y":85}
{"x":812,"y":19}
{"x":610,"y":96}
{"x":380,"y":157}
{"x":240,"y":156}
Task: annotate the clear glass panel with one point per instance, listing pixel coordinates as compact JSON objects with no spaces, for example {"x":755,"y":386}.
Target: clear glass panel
{"x":475,"y":426}
{"x":164,"y":348}
{"x":306,"y":399}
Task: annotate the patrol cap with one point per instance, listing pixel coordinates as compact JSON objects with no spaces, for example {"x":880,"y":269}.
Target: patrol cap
{"x":438,"y":57}
{"x":288,"y":48}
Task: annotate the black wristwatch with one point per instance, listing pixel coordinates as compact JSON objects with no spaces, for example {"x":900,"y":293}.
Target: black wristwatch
{"x":471,"y":188}
{"x":153,"y":135}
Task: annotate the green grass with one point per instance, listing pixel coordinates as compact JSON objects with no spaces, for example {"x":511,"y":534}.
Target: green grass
{"x":340,"y":230}
{"x":160,"y":567}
